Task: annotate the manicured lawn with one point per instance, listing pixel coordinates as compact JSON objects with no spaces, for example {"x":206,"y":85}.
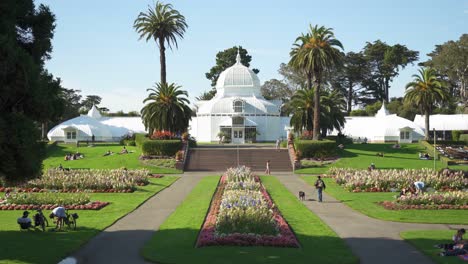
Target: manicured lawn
{"x":174,"y":242}
{"x":94,"y":158}
{"x":362,"y":155}
{"x":365,"y":202}
{"x":424,"y":240}
{"x":50,"y":247}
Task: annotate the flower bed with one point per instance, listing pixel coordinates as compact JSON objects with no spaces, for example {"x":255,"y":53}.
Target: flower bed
{"x":89,"y":180}
{"x":448,"y":200}
{"x":356,"y":180}
{"x":49,"y":200}
{"x":243,"y":214}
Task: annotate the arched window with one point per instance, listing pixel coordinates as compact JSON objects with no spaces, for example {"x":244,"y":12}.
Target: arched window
{"x":237,"y":121}
{"x":238,"y":106}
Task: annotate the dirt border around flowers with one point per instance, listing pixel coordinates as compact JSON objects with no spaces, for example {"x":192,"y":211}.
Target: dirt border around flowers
{"x":389,"y":205}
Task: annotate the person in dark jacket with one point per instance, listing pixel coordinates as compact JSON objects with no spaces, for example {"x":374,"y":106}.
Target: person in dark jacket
{"x":320,"y":186}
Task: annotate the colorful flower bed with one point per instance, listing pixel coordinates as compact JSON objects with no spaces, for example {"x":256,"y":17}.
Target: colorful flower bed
{"x":89,"y":180}
{"x":447,"y":200}
{"x":49,"y":200}
{"x":243,"y":214}
{"x":356,"y":180}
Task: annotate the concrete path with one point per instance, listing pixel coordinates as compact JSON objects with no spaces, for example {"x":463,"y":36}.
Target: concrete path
{"x":123,"y":241}
{"x":372,"y":240}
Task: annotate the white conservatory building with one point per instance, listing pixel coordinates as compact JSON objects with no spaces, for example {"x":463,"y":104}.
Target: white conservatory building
{"x":84,"y":127}
{"x":239,"y":110}
{"x":383,"y":127}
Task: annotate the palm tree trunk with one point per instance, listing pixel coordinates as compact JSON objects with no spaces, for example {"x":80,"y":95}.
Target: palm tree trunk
{"x":162,"y":59}
{"x":309,"y":80}
{"x":386,"y":90}
{"x":316,"y":135}
{"x":43,"y":130}
{"x":350,"y":97}
{"x":426,"y":124}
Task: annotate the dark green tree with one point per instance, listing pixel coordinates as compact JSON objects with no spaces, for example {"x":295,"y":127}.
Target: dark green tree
{"x":167,"y":108}
{"x":385,"y":62}
{"x":28,"y":94}
{"x":89,"y":101}
{"x":164,"y":25}
{"x":451,"y":61}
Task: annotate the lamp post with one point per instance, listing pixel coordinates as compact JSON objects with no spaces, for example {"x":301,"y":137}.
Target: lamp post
{"x":434,"y":149}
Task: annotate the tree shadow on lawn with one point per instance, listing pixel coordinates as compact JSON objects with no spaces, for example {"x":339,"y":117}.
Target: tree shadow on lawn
{"x":35,"y":246}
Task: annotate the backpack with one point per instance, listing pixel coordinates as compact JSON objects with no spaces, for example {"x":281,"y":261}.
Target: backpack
{"x":319,"y":184}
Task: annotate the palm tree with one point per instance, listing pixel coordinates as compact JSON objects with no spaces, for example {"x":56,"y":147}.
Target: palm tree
{"x":163,"y":24}
{"x":167,"y":109}
{"x":332,"y":109}
{"x":426,"y":90}
{"x":302,"y":108}
{"x":314,"y":53}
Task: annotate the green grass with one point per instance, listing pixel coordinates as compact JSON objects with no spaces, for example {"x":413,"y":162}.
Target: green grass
{"x":424,"y":240}
{"x":50,"y":247}
{"x":366,"y":204}
{"x":362,"y":155}
{"x":94,"y":158}
{"x":176,"y":238}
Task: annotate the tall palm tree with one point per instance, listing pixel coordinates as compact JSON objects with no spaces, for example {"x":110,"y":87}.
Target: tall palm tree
{"x":425,"y":91}
{"x":167,"y":109}
{"x":314,"y":53}
{"x":163,"y":24}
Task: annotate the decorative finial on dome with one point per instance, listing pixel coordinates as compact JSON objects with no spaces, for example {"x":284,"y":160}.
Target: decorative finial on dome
{"x":238,"y":58}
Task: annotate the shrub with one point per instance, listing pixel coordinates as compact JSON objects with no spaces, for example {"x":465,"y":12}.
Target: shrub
{"x":316,"y":148}
{"x":464,"y":138}
{"x":161,"y":147}
{"x":185,"y":136}
{"x":129,"y":142}
{"x":456,"y":135}
{"x":179,"y":155}
{"x":358,"y":112}
{"x":192,"y":143}
{"x":140,"y":138}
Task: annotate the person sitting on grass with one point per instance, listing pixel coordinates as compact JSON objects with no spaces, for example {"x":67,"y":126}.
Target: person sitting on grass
{"x":371,"y":167}
{"x":457,"y":239}
{"x":458,"y":249}
{"x":60,"y":213}
{"x":341,"y":146}
{"x":396,"y":146}
{"x":124,"y":151}
{"x":24,"y":221}
{"x":108,"y":153}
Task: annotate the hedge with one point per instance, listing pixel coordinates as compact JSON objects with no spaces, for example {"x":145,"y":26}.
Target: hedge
{"x":316,"y":148}
{"x":140,"y":138}
{"x":161,"y":147}
{"x":464,"y":138}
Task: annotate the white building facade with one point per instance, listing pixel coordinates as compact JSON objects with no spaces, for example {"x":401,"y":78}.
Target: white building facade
{"x":238,"y":110}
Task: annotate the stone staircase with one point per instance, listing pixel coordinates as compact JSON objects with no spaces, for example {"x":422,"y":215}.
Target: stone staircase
{"x":221,"y":158}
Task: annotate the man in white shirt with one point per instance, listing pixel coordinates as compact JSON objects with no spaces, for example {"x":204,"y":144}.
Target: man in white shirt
{"x":24,"y":221}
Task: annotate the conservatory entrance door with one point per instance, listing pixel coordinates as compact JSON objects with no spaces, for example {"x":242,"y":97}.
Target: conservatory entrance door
{"x":237,"y":135}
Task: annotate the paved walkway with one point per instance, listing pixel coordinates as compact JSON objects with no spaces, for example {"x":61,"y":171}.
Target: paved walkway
{"x":123,"y":241}
{"x":372,"y":240}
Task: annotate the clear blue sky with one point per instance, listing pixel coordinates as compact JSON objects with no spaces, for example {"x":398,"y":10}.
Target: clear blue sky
{"x":97,"y":51}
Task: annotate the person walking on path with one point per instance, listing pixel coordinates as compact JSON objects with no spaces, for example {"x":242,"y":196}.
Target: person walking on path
{"x":267,"y":170}
{"x":278,"y":142}
{"x":320,"y":186}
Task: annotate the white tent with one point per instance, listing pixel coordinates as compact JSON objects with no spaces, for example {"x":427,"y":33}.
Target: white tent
{"x":382,"y":127}
{"x":84,"y":127}
{"x":444,"y":122}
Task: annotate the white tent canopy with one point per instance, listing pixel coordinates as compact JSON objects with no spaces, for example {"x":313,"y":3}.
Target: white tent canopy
{"x":84,"y":127}
{"x":382,"y":127}
{"x":444,"y":122}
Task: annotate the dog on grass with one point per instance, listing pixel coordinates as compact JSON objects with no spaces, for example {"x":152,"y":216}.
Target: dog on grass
{"x":301,"y":195}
